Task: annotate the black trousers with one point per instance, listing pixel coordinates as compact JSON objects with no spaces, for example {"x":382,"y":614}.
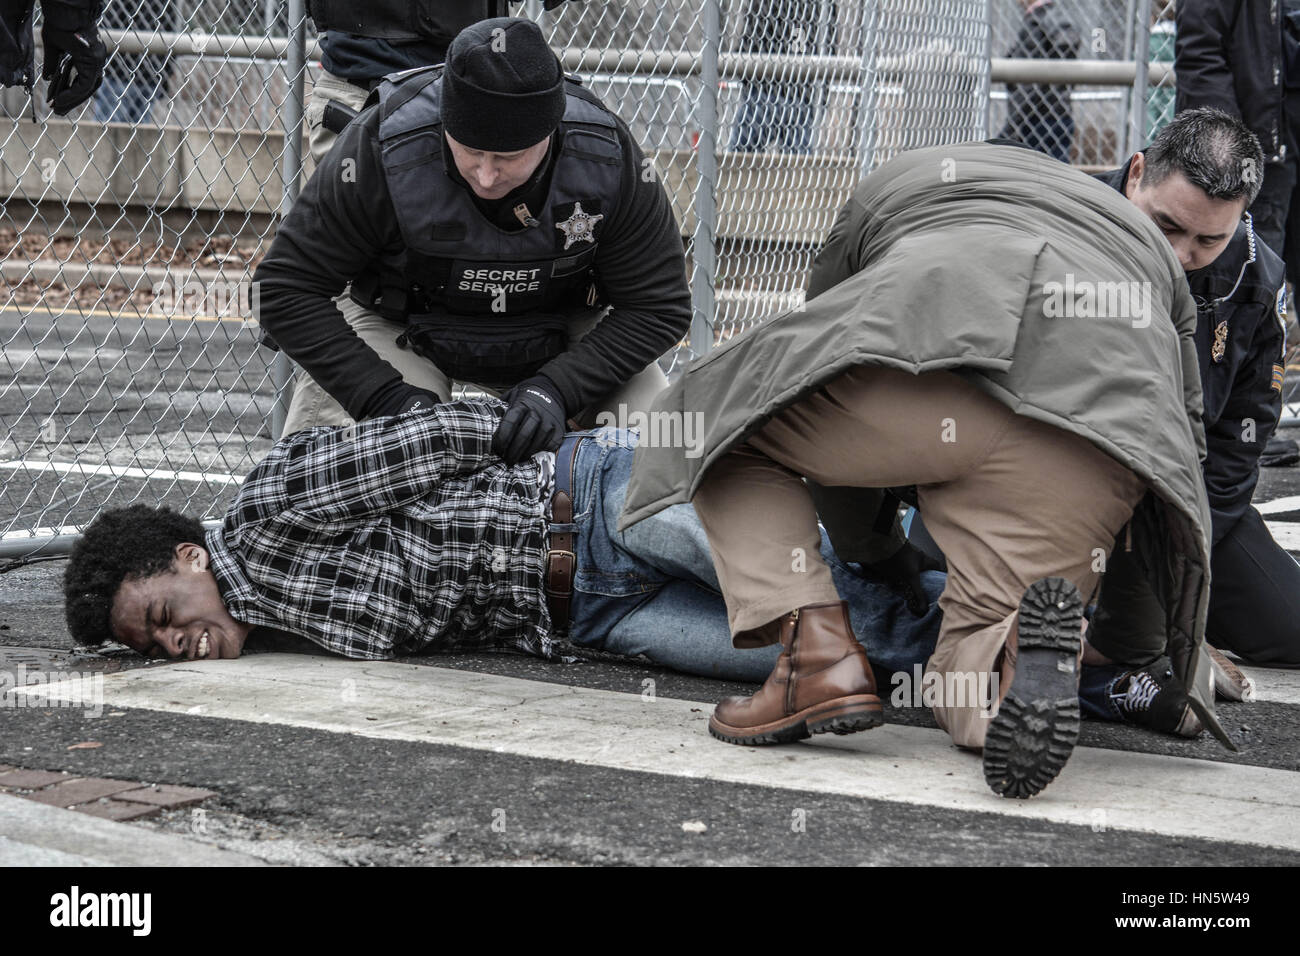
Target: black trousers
{"x":1254,"y":603}
{"x":1254,"y":596}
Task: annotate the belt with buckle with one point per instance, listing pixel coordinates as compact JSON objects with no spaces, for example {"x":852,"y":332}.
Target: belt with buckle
{"x":561,"y":562}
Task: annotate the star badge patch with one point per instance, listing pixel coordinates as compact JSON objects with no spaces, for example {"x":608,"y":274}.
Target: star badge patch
{"x":579,"y":227}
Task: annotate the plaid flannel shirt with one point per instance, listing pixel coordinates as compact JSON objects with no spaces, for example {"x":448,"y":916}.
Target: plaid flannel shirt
{"x":392,"y":536}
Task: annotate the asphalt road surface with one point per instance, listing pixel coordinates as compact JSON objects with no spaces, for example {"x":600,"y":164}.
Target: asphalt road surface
{"x":502,"y":759}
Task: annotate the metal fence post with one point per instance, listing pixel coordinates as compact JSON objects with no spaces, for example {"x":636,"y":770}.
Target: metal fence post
{"x":867,"y":106}
{"x":1137,"y":136}
{"x":1126,"y":109}
{"x":703,"y":250}
{"x":986,"y":81}
{"x":290,"y":175}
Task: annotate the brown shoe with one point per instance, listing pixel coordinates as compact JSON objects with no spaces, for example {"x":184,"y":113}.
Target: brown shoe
{"x":822,"y":682}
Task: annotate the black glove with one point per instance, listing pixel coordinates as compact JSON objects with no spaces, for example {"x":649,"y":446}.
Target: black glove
{"x":902,"y":573}
{"x":417,"y":400}
{"x":534,"y":421}
{"x":72,"y":48}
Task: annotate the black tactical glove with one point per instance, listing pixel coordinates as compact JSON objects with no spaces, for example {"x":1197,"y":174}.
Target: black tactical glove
{"x":534,"y":421}
{"x":403,"y":398}
{"x":72,"y":49}
{"x":417,"y":400}
{"x":902,"y":573}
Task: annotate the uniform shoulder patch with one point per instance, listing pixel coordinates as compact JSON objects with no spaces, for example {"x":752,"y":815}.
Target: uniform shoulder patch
{"x":1279,"y":374}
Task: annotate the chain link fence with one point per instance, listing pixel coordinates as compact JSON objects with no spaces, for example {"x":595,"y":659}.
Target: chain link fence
{"x":133,"y":226}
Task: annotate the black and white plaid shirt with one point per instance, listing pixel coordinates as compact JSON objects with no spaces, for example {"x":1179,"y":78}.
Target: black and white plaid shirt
{"x":392,"y":536}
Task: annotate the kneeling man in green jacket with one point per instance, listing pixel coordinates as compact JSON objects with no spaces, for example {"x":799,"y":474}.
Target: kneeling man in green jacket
{"x":1016,"y":340}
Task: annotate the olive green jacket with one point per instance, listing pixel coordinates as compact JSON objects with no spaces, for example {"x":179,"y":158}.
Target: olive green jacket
{"x":1045,"y":288}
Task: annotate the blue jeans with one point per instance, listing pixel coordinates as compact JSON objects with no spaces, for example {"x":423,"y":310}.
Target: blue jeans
{"x":1095,"y":684}
{"x":652,"y":589}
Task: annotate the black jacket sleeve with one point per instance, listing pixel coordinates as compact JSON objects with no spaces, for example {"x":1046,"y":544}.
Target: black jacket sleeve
{"x":641,"y":272}
{"x":342,"y":222}
{"x":1201,"y":68}
{"x":1251,"y":412}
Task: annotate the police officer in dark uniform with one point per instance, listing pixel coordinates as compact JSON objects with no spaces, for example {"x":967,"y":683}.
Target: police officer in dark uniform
{"x":498,"y":226}
{"x":1240,"y":295}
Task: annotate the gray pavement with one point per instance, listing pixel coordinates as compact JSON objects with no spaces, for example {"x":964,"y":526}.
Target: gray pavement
{"x":308,"y":793}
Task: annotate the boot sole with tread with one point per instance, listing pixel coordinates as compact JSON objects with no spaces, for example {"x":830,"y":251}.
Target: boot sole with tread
{"x":1037,"y":724}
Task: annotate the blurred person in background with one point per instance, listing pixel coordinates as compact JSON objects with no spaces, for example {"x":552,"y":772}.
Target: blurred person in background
{"x":1040,"y":115}
{"x":778,"y":113}
{"x":133,"y":81}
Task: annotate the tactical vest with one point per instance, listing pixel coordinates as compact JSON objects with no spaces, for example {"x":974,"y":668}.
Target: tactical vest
{"x":483,"y":304}
{"x":403,"y":20}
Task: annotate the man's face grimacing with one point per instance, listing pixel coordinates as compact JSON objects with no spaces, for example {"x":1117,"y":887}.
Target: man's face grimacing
{"x":1197,"y":226}
{"x":494,"y":175}
{"x":177,"y":612}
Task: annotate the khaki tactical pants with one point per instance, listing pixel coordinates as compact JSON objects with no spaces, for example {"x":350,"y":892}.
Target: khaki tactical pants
{"x":1008,"y":499}
{"x":311,"y":405}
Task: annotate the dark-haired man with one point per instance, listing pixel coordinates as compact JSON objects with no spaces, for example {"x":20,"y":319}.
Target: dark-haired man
{"x":406,"y":534}
{"x":1195,"y":181}
{"x":495,"y":224}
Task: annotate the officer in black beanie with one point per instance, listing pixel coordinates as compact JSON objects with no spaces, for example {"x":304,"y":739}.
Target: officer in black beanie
{"x":361,"y":43}
{"x":497,"y":226}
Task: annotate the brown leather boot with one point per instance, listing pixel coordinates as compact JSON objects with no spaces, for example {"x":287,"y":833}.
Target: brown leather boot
{"x":822,"y":682}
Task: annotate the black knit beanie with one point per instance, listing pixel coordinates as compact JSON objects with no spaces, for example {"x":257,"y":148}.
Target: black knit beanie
{"x":502,"y":87}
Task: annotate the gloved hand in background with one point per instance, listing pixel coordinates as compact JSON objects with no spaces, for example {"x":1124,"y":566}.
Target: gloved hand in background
{"x":74,"y":54}
{"x":534,"y":421}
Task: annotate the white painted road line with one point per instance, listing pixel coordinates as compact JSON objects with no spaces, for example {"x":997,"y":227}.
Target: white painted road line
{"x":113,"y":471}
{"x":1173,"y":796}
{"x":1279,"y":505}
{"x":1285,"y":533}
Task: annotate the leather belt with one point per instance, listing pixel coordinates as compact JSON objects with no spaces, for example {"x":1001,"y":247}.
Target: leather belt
{"x":561,"y":561}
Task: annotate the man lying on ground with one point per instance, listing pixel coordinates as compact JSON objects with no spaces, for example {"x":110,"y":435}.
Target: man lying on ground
{"x":406,"y":534}
{"x":961,"y":335}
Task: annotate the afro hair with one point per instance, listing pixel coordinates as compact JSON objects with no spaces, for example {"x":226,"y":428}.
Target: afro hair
{"x":120,"y":545}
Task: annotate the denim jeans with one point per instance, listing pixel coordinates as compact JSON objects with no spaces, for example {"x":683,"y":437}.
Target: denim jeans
{"x":652,"y":589}
{"x":1095,"y":684}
